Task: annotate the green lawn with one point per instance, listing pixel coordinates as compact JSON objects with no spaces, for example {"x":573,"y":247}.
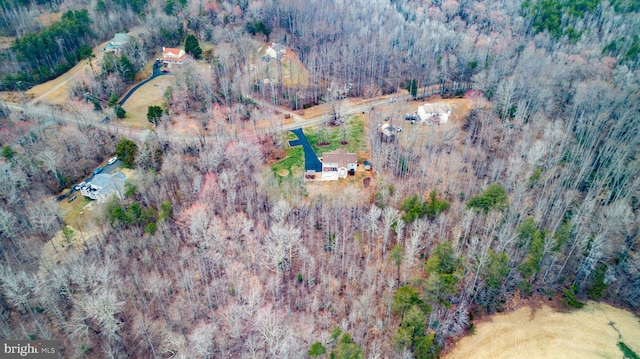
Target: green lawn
{"x":352,"y":131}
{"x":293,"y":161}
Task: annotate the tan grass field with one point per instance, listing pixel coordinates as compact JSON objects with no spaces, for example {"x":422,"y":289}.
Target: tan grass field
{"x":590,"y":332}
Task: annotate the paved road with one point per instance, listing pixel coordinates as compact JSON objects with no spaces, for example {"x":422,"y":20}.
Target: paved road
{"x":141,"y":134}
{"x":349,"y":110}
{"x":311,"y":161}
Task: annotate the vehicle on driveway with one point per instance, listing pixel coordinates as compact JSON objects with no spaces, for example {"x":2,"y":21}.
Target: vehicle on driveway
{"x":79,"y":185}
{"x":112,"y":160}
{"x":97,"y":170}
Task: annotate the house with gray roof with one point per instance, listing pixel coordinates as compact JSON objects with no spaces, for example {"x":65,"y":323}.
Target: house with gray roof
{"x":104,"y":185}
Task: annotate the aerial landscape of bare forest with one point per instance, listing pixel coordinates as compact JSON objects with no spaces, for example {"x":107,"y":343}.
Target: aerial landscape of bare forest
{"x":320,"y":178}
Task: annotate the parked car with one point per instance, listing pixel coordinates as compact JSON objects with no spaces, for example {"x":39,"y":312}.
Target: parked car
{"x":73,"y":198}
{"x":97,"y":170}
{"x":79,"y":185}
{"x":112,"y":160}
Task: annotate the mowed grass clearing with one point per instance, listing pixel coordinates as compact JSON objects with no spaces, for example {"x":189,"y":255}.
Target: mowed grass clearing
{"x":293,"y":163}
{"x":352,"y":131}
{"x":151,"y":94}
{"x":594,"y":331}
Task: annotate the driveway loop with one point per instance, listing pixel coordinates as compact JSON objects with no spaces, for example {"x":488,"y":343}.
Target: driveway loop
{"x":311,"y":161}
{"x":156,"y":72}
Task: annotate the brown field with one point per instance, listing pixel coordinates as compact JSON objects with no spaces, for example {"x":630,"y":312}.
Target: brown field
{"x":590,"y":332}
{"x":152,"y":93}
{"x":294,"y":74}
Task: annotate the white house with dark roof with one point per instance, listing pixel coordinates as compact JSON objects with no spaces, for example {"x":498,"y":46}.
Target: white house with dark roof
{"x":276,"y":51}
{"x":337,"y":164}
{"x":437,"y":112}
{"x":172,"y":56}
{"x":104,"y":185}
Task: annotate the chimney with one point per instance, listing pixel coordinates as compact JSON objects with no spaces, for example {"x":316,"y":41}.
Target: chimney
{"x":162,"y":48}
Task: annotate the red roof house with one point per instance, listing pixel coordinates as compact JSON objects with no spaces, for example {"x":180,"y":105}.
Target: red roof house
{"x":172,"y":56}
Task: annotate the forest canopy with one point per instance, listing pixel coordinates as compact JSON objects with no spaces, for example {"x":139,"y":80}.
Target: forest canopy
{"x":53,"y":50}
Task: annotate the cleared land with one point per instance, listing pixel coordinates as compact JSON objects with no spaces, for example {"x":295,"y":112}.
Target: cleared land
{"x":591,"y":332}
{"x":293,"y":162}
{"x":352,"y":131}
{"x":152,"y":93}
{"x":290,"y":71}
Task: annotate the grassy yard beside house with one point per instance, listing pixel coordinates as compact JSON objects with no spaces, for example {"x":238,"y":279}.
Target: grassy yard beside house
{"x":352,"y":131}
{"x":292,"y":162}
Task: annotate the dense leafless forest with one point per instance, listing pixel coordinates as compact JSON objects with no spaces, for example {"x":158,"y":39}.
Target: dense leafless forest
{"x":535,"y":193}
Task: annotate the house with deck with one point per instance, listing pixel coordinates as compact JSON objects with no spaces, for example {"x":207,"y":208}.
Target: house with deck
{"x":104,"y":185}
{"x":338,"y":164}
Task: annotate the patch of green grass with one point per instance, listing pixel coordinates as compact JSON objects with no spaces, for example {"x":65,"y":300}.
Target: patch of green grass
{"x":627,"y":352}
{"x":293,"y":161}
{"x":352,"y":131}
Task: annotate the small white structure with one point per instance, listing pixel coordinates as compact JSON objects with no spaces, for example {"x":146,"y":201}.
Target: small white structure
{"x":337,"y":164}
{"x":276,"y":51}
{"x":438,"y":112}
{"x":104,"y":185}
{"x":172,"y":56}
{"x":388,"y":132}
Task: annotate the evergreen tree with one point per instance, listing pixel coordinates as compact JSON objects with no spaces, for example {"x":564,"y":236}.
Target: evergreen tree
{"x":119,"y":111}
{"x":154,"y":113}
{"x":412,"y":87}
{"x":126,"y":151}
{"x":192,"y":47}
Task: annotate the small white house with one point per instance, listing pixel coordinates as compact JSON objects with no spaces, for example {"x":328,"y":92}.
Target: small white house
{"x":276,"y":51}
{"x":438,"y":112}
{"x":338,"y":164}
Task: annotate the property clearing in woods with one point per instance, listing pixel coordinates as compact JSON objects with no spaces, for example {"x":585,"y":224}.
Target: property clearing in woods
{"x":591,"y":332}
